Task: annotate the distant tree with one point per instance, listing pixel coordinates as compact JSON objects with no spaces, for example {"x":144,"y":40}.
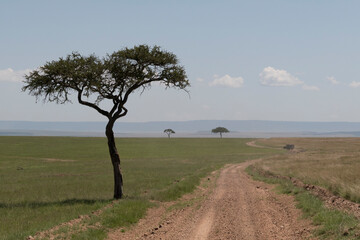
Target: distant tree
{"x":220,"y":130}
{"x":112,"y":78}
{"x":169,"y":132}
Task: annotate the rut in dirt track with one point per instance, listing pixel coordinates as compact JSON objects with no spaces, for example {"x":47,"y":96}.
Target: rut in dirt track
{"x":245,"y":209}
{"x":238,"y":208}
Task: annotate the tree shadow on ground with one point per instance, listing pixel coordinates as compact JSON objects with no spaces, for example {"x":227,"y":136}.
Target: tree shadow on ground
{"x":66,"y":202}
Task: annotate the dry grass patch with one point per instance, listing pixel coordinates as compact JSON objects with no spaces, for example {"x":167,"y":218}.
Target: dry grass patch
{"x":333,"y":163}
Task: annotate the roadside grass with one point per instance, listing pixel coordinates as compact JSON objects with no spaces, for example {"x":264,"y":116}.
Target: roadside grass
{"x":124,"y":213}
{"x":333,"y":163}
{"x":45,"y":181}
{"x":92,"y":233}
{"x":129,"y":210}
{"x":331,"y":224}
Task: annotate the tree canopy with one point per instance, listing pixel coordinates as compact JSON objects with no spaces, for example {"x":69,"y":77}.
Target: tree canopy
{"x":169,"y":131}
{"x":113,"y":78}
{"x":220,"y":130}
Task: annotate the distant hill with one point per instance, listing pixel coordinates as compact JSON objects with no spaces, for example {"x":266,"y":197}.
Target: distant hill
{"x":248,"y":128}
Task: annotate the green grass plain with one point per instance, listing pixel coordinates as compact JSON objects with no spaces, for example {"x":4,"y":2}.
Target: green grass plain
{"x":48,"y":180}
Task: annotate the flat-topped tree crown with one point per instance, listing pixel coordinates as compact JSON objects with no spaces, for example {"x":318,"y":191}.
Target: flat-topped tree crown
{"x":220,"y":130}
{"x":113,"y":78}
{"x":169,"y":131}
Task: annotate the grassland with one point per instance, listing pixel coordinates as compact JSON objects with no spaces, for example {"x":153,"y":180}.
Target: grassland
{"x":333,"y":163}
{"x":48,"y":180}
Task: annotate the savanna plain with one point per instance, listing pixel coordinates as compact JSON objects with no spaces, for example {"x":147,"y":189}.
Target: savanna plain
{"x":46,"y":181}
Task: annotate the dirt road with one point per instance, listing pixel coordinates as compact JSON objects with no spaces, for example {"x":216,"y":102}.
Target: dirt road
{"x":237,"y":207}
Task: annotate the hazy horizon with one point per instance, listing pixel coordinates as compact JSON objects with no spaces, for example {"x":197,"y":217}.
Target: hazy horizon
{"x":199,"y":128}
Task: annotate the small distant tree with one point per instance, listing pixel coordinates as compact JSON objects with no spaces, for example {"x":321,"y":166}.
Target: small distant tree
{"x":220,"y":130}
{"x":169,"y":131}
{"x":113,"y":79}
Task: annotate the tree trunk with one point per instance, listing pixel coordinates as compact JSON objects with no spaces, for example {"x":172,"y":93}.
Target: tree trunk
{"x":168,"y":135}
{"x":220,"y":134}
{"x":115,"y":160}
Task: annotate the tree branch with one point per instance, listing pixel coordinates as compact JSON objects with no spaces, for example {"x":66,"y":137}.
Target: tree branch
{"x":136,"y":86}
{"x":122,"y":111}
{"x":116,"y":105}
{"x":92,"y":105}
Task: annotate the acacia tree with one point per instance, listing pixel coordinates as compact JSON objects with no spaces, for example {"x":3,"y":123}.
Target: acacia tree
{"x":112,"y":78}
{"x":169,"y":131}
{"x":220,"y":130}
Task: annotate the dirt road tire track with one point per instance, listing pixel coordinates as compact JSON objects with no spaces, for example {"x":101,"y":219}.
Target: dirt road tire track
{"x":237,"y":208}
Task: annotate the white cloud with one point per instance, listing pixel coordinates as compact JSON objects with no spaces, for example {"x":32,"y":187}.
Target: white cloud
{"x":234,"y":82}
{"x":199,"y":79}
{"x":310,"y":88}
{"x":354,"y":84}
{"x":332,"y":80}
{"x":10,"y":75}
{"x":276,"y":78}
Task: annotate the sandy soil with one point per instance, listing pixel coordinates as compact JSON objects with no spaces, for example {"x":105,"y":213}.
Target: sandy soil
{"x":233,"y":206}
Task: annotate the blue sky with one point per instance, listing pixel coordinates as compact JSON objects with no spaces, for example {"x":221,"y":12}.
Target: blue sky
{"x":261,"y":60}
